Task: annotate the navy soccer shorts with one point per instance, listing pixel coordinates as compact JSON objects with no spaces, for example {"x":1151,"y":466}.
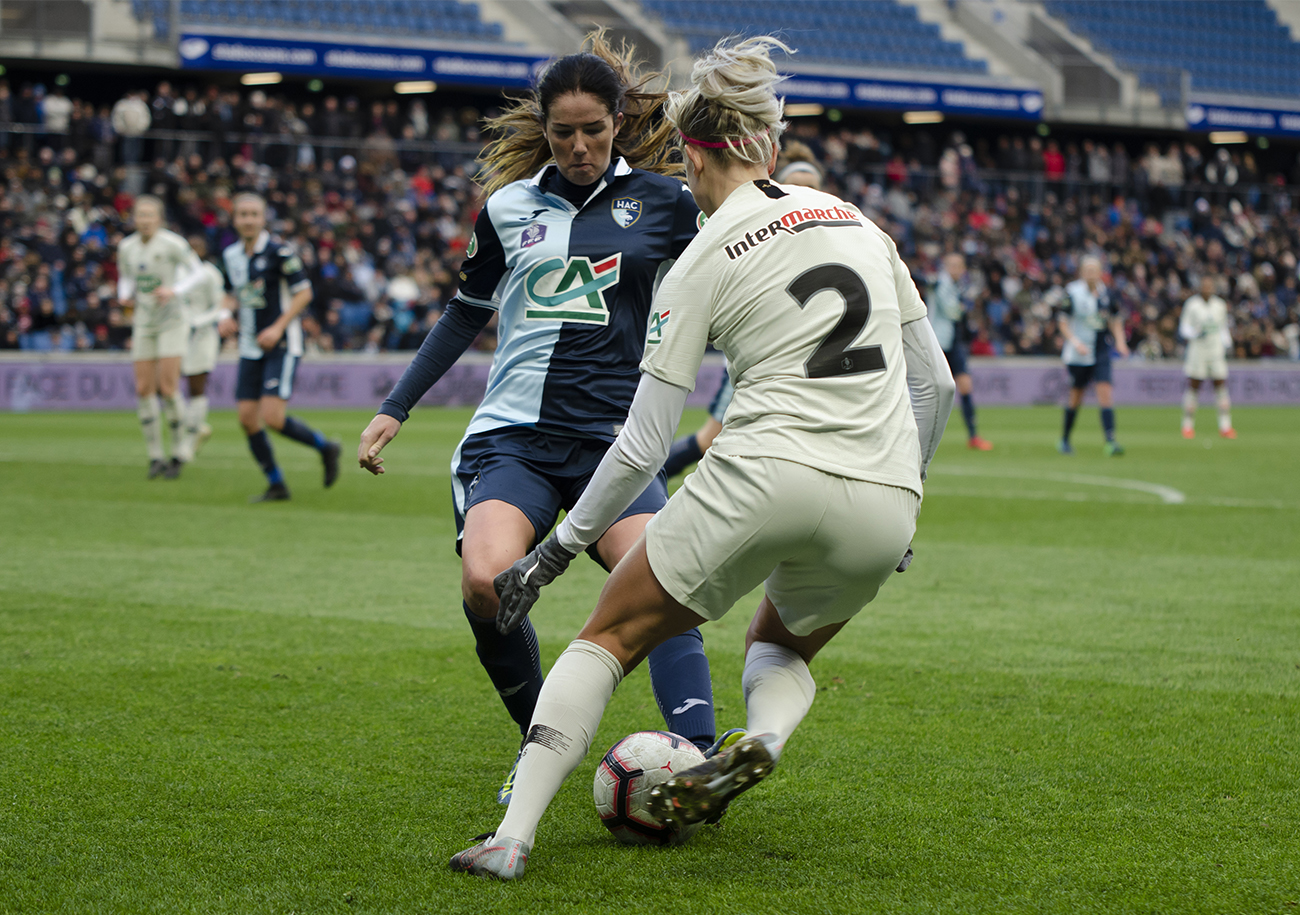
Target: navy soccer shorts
{"x":957,"y":360}
{"x":722,"y":398}
{"x":537,"y":472}
{"x":270,"y":376}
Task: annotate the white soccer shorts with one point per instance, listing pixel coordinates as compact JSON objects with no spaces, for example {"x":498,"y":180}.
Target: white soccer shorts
{"x":821,"y":544}
{"x":201,"y":353}
{"x":1205,"y":362}
{"x":150,"y":343}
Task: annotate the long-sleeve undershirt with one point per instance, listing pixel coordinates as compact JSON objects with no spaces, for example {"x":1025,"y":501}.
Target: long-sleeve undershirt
{"x":443,"y":345}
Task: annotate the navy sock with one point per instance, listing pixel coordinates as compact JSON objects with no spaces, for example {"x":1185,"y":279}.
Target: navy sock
{"x":513,"y":663}
{"x":1108,"y":423}
{"x":299,"y":431}
{"x":968,"y":413}
{"x":684,"y":452}
{"x":1069,"y":423}
{"x":679,"y":675}
{"x":260,"y":445}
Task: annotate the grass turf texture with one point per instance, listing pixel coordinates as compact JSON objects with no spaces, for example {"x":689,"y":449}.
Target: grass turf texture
{"x":1080,"y":698}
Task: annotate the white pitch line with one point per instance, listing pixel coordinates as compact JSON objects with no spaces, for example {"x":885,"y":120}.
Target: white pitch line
{"x":1166,"y":494}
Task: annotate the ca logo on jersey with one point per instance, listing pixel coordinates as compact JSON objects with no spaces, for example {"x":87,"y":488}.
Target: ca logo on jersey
{"x":655,"y":331}
{"x":572,"y":290}
{"x":625,"y":210}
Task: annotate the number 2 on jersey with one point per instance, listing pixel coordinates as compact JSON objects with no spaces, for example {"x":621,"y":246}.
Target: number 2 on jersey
{"x":832,"y":356}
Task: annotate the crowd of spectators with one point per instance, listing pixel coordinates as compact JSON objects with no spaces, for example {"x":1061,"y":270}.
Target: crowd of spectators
{"x":380,"y":201}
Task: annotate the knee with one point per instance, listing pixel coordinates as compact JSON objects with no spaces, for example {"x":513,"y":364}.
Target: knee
{"x":272,"y":418}
{"x":478,"y":590}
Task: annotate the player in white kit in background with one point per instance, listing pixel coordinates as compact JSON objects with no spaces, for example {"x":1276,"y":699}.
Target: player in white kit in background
{"x":204,"y":309}
{"x":155,"y":270}
{"x":812,"y":488}
{"x":1204,"y":325}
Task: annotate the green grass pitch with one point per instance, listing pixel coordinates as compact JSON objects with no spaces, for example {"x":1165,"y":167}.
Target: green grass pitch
{"x":1081,"y":698}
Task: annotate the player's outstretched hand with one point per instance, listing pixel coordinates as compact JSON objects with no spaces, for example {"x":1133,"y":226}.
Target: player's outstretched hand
{"x":382,"y":430}
{"x":519,"y":586}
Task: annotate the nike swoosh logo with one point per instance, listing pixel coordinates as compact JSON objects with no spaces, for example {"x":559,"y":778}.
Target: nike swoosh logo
{"x":688,"y":705}
{"x":511,"y":690}
{"x":523,"y":579}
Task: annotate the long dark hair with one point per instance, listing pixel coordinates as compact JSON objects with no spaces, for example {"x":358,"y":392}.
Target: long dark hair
{"x":520,"y":146}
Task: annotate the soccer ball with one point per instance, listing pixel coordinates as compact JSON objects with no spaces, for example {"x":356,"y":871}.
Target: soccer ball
{"x":624,"y":778}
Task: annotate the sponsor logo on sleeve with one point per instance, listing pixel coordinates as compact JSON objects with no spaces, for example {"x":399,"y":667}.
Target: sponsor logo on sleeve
{"x":792,"y":223}
{"x":532,"y":235}
{"x":570,"y":290}
{"x":473,"y":247}
{"x":700,"y":220}
{"x":626,"y":210}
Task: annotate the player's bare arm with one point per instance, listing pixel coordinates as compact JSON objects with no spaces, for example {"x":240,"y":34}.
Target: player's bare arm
{"x":270,"y":336}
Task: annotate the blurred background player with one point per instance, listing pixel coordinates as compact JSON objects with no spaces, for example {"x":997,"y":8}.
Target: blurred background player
{"x":796,"y":165}
{"x":1204,"y":325}
{"x":265,"y":281}
{"x":204,"y":307}
{"x":947,"y":312}
{"x":578,"y":182}
{"x":155,"y":269}
{"x":1089,"y":324}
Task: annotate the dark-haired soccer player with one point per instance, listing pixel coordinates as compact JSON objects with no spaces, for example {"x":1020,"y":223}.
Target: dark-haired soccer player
{"x":266,"y":282}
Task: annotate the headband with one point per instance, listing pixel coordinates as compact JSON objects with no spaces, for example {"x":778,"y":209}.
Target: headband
{"x":708,"y":145}
{"x":800,"y":166}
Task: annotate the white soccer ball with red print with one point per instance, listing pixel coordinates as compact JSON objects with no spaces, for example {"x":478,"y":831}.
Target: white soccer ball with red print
{"x":632,"y":767}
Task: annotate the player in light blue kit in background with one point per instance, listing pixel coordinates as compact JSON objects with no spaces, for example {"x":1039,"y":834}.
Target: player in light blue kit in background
{"x":947,"y":312}
{"x":798,"y":166}
{"x":1089,"y":324}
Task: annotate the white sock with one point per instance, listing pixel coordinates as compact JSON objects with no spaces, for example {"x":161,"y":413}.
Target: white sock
{"x":1224,"y":403}
{"x":568,"y":712}
{"x":779,"y":690}
{"x":195,"y":416}
{"x":1189,"y":408}
{"x":174,"y":409}
{"x":147,"y":409}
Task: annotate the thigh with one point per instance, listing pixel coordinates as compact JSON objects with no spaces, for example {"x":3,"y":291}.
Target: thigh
{"x":272,"y":410}
{"x":169,"y":374}
{"x":732,"y":522}
{"x":628,"y":527}
{"x":858,"y":544}
{"x":144,"y":343}
{"x":496,"y":535}
{"x":635,"y":613}
{"x":146,"y":375}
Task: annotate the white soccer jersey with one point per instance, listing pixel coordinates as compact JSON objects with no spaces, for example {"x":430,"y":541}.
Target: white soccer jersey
{"x":161,"y":261}
{"x":807,"y":298}
{"x":206,"y":299}
{"x":1204,"y":325}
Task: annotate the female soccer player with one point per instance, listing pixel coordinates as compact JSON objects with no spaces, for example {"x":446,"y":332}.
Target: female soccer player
{"x":567,"y":255}
{"x":812,"y":488}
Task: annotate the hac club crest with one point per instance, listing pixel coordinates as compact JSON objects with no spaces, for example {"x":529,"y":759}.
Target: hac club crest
{"x":625,"y":210}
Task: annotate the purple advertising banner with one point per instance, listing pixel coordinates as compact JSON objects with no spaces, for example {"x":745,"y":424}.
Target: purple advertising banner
{"x":93,"y":382}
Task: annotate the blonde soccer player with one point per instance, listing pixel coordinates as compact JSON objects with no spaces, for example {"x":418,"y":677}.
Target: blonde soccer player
{"x":812,"y":488}
{"x":1204,"y":325}
{"x":156,"y":268}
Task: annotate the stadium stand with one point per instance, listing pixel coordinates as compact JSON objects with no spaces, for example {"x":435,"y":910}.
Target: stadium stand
{"x":873,"y":33}
{"x":446,"y":19}
{"x":1229,"y":46}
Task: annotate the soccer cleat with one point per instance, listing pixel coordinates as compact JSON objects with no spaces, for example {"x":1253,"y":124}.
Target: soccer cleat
{"x":979,"y":444}
{"x":1189,"y":433}
{"x":1228,"y":433}
{"x":507,"y":789}
{"x":173,"y":471}
{"x":157,"y":468}
{"x":725,"y":742}
{"x":1064,"y":447}
{"x":703,"y":792}
{"x":276,"y":492}
{"x":330,"y":456}
{"x":503,"y":858}
{"x":1113,"y":449}
{"x":204,"y":433}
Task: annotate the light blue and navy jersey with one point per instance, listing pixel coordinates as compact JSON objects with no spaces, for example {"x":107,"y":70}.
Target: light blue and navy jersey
{"x":573,"y":287}
{"x":263,"y":283}
{"x":945,"y":311}
{"x":1088,"y":314}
